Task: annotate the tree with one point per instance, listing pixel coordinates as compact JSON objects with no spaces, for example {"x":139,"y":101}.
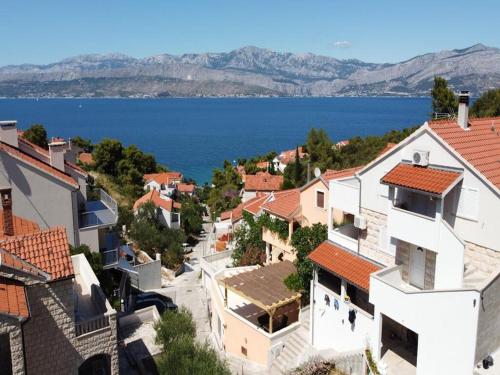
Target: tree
{"x":443,"y":99}
{"x":84,"y":144}
{"x":107,"y":155}
{"x":298,"y":170}
{"x":191,"y":215}
{"x":37,"y":134}
{"x":319,"y":147}
{"x":305,"y":240}
{"x":248,"y":239}
{"x":487,"y":105}
{"x":176,"y":333}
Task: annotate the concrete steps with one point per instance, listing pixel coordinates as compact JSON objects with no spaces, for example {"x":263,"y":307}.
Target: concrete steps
{"x":295,"y":348}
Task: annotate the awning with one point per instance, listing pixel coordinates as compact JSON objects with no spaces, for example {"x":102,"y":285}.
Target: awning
{"x":433,"y":181}
{"x":345,"y":264}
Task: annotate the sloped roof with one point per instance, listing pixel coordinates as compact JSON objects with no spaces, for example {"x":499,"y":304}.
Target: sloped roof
{"x":13,"y":299}
{"x":285,"y":203}
{"x":254,"y":205}
{"x":332,"y":174}
{"x":21,"y":226}
{"x":163,"y":177}
{"x":47,"y":250}
{"x":479,"y":144}
{"x":427,"y":179}
{"x":186,"y":188}
{"x":86,"y":158}
{"x":38,"y":164}
{"x":288,"y":156}
{"x":344,"y":263}
{"x":263,"y":181}
{"x":13,"y":262}
{"x":154,"y":196}
{"x":265,"y":285}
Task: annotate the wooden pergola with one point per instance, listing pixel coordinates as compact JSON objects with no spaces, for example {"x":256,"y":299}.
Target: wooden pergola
{"x":264,"y":287}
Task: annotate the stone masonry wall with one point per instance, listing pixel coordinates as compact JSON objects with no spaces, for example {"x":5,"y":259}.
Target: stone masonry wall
{"x":369,"y":239}
{"x":12,"y":327}
{"x":488,"y":328}
{"x":49,"y":335}
{"x":482,"y":258}
{"x":403,"y":260}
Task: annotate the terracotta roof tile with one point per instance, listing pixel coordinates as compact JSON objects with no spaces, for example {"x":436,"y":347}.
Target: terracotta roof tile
{"x":21,"y":226}
{"x":332,"y":174}
{"x":186,"y":188}
{"x":285,"y":203}
{"x":47,"y":168}
{"x":226,"y":215}
{"x":13,"y":299}
{"x":343,"y":263}
{"x":86,"y":158}
{"x":479,"y":144}
{"x":47,"y":250}
{"x":431,"y":180}
{"x":263,"y":181}
{"x":288,"y":156}
{"x":163,"y":177}
{"x":154,"y":196}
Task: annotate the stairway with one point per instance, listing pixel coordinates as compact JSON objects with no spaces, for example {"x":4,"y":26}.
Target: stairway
{"x":296,"y":348}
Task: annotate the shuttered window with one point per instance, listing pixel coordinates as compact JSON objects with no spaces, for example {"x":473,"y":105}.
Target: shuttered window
{"x":468,"y":203}
{"x":320,"y":199}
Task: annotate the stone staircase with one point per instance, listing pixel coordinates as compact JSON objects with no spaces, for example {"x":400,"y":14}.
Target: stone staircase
{"x":295,"y":347}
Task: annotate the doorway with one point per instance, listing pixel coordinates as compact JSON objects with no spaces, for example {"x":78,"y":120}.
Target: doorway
{"x":417,"y":266}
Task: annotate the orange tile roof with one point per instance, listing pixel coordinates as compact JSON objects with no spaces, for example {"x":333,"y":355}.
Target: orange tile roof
{"x":13,"y":299}
{"x":40,"y":165}
{"x":47,"y":250}
{"x":14,"y":262}
{"x":186,"y":188}
{"x":21,"y":226}
{"x":86,"y":158}
{"x":285,"y":204}
{"x":226,"y":215}
{"x":343,"y":263}
{"x":253,"y":205}
{"x":431,"y":180}
{"x":288,"y":156}
{"x":479,"y":144}
{"x":332,"y":174}
{"x":263,"y":181}
{"x":154,"y":196}
{"x":262,"y":164}
{"x":163,"y":177}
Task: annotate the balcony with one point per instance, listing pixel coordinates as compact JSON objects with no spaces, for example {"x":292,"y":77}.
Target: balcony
{"x":418,"y":229}
{"x":92,"y":310}
{"x":121,"y":257}
{"x":276,"y":241}
{"x":346,"y":236}
{"x":344,"y":195}
{"x":103,"y":212}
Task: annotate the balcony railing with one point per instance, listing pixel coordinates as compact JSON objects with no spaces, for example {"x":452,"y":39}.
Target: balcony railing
{"x":414,"y":228}
{"x":99,"y":213}
{"x":92,"y":324}
{"x":345,"y":236}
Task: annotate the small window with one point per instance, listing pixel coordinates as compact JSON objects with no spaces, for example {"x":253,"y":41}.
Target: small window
{"x":329,"y":280}
{"x":320,"y":199}
{"x":244,"y":351}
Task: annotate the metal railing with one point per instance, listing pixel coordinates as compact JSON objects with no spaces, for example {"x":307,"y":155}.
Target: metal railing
{"x":109,"y":257}
{"x":108,"y":201}
{"x":92,"y":324}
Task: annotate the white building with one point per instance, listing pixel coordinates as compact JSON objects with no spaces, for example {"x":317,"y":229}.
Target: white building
{"x":167,"y":209}
{"x":420,"y":260}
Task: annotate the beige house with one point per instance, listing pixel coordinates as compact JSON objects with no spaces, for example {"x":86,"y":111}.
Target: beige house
{"x":54,"y":317}
{"x":252,"y":311}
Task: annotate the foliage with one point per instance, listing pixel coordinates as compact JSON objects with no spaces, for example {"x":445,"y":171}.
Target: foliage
{"x":153,"y":237}
{"x":107,"y":155}
{"x":36,"y":134}
{"x":443,"y":99}
{"x":305,"y":240}
{"x":253,"y":256}
{"x":275,"y":225}
{"x":317,"y":366}
{"x":176,"y":333}
{"x":224,"y":194}
{"x":84,"y":144}
{"x":319,"y":147}
{"x":191,"y":215}
{"x":487,"y":105}
{"x":371,"y":362}
{"x":247,"y":236}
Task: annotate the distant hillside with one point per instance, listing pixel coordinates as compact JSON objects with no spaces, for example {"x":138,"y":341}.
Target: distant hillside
{"x":250,"y":71}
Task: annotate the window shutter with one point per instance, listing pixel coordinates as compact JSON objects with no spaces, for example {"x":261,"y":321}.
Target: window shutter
{"x":320,"y":199}
{"x":468,"y":203}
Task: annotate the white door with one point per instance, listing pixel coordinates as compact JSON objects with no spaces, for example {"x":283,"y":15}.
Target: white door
{"x":417,"y":266}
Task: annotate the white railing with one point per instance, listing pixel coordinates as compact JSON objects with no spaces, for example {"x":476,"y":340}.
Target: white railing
{"x":414,"y":228}
{"x":341,"y":237}
{"x":108,"y":201}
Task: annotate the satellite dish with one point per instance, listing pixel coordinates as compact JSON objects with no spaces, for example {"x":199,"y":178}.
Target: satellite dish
{"x":317,"y":172}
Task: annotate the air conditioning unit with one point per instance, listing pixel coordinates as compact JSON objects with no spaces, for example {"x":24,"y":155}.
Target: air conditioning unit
{"x":360,"y":222}
{"x":420,"y":158}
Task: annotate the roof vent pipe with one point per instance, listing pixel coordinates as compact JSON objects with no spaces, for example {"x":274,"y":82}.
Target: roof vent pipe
{"x":463,"y":109}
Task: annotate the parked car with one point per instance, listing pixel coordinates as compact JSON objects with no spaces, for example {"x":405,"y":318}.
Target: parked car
{"x":162,"y":303}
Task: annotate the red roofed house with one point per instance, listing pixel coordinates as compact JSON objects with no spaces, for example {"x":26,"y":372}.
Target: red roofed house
{"x":286,"y":157}
{"x":167,"y":209}
{"x":262,"y":182}
{"x":164,"y":182}
{"x":54,"y":317}
{"x":416,"y":278}
{"x":48,"y":188}
{"x":187,"y":189}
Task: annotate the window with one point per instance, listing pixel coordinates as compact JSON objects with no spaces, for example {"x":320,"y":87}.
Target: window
{"x":320,"y":199}
{"x":359,"y":298}
{"x":329,"y":280}
{"x":468,"y":203}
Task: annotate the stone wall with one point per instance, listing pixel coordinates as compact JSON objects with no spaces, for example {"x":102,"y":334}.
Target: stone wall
{"x":403,"y":260}
{"x":369,"y":239}
{"x":51,"y":346}
{"x":482,"y":258}
{"x":12,"y":327}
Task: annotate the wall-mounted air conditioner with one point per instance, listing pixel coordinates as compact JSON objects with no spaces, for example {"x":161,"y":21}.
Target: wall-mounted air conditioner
{"x":360,"y":222}
{"x":420,"y":158}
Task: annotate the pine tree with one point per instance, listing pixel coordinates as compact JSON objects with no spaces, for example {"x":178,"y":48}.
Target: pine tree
{"x":443,"y":99}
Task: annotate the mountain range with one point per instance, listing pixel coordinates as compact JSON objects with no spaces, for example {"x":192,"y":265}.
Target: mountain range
{"x":250,"y":71}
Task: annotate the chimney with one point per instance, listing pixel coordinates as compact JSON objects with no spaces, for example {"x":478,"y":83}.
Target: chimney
{"x":8,"y":221}
{"x":8,"y":133}
{"x":57,"y":149}
{"x":463,"y":109}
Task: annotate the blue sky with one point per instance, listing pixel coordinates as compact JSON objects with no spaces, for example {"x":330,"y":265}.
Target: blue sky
{"x":46,"y":31}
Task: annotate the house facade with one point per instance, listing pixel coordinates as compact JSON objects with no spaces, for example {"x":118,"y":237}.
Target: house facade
{"x":420,"y":272}
{"x":167,"y":209}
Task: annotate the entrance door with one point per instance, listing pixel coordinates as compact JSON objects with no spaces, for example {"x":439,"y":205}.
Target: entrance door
{"x":417,"y":266}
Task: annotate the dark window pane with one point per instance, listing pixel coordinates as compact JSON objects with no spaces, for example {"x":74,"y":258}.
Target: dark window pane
{"x":329,"y":280}
{"x":359,"y":298}
{"x":320,"y":199}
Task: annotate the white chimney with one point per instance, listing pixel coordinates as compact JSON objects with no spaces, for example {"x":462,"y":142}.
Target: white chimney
{"x":8,"y":133}
{"x":57,"y":149}
{"x":463,"y":109}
